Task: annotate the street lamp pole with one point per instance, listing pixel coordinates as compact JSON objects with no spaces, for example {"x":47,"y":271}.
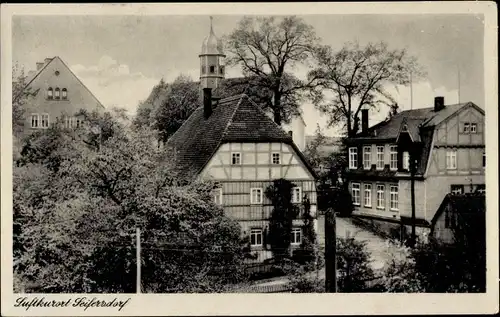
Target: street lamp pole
{"x":413,"y":167}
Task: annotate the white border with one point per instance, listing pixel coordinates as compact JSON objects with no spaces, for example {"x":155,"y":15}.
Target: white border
{"x":272,"y":304}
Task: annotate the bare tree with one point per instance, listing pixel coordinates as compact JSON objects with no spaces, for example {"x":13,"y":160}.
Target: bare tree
{"x":358,"y":77}
{"x":267,"y":49}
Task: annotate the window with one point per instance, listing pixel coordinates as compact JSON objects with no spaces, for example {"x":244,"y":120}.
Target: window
{"x":64,"y":93}
{"x":34,"y":120}
{"x":221,"y":70}
{"x":484,"y":160}
{"x":57,"y":93}
{"x":394,"y":157}
{"x":235,"y":158}
{"x":276,"y":158}
{"x":290,"y":133}
{"x":457,"y":189}
{"x":380,"y":157}
{"x":212,"y":69}
{"x":368,"y":195}
{"x":218,"y":196}
{"x":256,"y":237}
{"x":256,"y":195}
{"x":481,"y":188}
{"x":367,"y":157}
{"x":50,"y":93}
{"x":353,"y":157}
{"x":473,"y":128}
{"x":296,"y":195}
{"x":394,"y":197}
{"x":380,"y":196}
{"x":451,"y":160}
{"x":45,"y":120}
{"x":355,"y":193}
{"x":296,"y":236}
{"x":78,"y":122}
{"x":466,"y":127}
{"x":406,"y":161}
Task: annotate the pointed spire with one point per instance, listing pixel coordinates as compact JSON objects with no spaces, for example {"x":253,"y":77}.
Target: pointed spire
{"x":211,"y":26}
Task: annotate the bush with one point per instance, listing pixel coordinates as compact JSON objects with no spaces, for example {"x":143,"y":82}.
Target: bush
{"x":353,"y":265}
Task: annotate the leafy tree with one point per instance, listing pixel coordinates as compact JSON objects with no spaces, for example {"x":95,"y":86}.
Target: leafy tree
{"x":267,"y":49}
{"x":353,"y":265}
{"x":357,"y":77}
{"x":75,"y":224}
{"x":20,"y":96}
{"x":281,"y":220}
{"x":180,"y":99}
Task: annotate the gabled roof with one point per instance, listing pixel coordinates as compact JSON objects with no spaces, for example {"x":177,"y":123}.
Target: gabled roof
{"x":234,"y":119}
{"x":464,"y":205}
{"x":416,"y":118}
{"x":71,"y":72}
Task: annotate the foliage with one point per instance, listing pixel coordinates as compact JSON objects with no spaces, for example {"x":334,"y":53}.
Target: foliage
{"x":281,"y":220}
{"x":20,"y":97}
{"x":302,"y":280}
{"x":358,"y":76}
{"x":168,"y":106}
{"x":75,"y":220}
{"x":353,"y":265}
{"x":267,"y":51}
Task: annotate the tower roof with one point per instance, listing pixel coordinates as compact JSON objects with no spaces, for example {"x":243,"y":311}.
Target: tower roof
{"x":212,"y":44}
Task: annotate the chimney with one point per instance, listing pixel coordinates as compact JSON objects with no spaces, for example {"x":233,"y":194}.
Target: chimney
{"x":364,"y":121}
{"x":438,"y":103}
{"x":39,"y":65}
{"x":207,"y":102}
{"x":47,"y":60}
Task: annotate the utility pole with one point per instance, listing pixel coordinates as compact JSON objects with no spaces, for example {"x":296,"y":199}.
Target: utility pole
{"x":138,"y":259}
{"x":413,"y":167}
{"x":330,"y":252}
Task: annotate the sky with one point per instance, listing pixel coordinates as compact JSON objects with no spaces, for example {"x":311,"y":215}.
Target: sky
{"x":121,"y":58}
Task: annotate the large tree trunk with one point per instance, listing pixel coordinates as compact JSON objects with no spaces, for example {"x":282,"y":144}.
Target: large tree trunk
{"x":277,"y":108}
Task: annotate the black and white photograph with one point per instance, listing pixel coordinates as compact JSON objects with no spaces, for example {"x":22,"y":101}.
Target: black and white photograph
{"x":242,"y":151}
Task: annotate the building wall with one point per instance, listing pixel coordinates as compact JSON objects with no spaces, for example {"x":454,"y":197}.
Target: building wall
{"x":386,"y":212}
{"x":297,"y":126}
{"x":79,"y":97}
{"x":469,"y":149}
{"x":256,"y":163}
{"x":420,"y":199}
{"x":257,"y":171}
{"x":441,"y":233}
{"x":437,"y":187}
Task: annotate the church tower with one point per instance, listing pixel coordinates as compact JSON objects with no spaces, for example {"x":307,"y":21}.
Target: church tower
{"x":212,"y":56}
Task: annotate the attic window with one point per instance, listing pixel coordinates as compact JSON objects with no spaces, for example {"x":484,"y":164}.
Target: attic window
{"x":57,"y":73}
{"x":57,"y":93}
{"x":405,"y":128}
{"x":50,"y":93}
{"x":64,"y":93}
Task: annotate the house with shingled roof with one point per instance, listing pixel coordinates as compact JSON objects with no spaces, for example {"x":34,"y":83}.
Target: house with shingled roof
{"x":233,"y":142}
{"x":55,"y":92}
{"x":445,"y":142}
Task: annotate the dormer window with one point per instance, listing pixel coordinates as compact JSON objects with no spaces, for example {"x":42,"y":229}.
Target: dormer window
{"x":50,"y":93}
{"x":405,"y":128}
{"x":57,"y":93}
{"x":64,"y":93}
{"x":212,"y":69}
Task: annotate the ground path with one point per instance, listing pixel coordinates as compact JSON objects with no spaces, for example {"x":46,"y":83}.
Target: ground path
{"x":376,"y":246}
